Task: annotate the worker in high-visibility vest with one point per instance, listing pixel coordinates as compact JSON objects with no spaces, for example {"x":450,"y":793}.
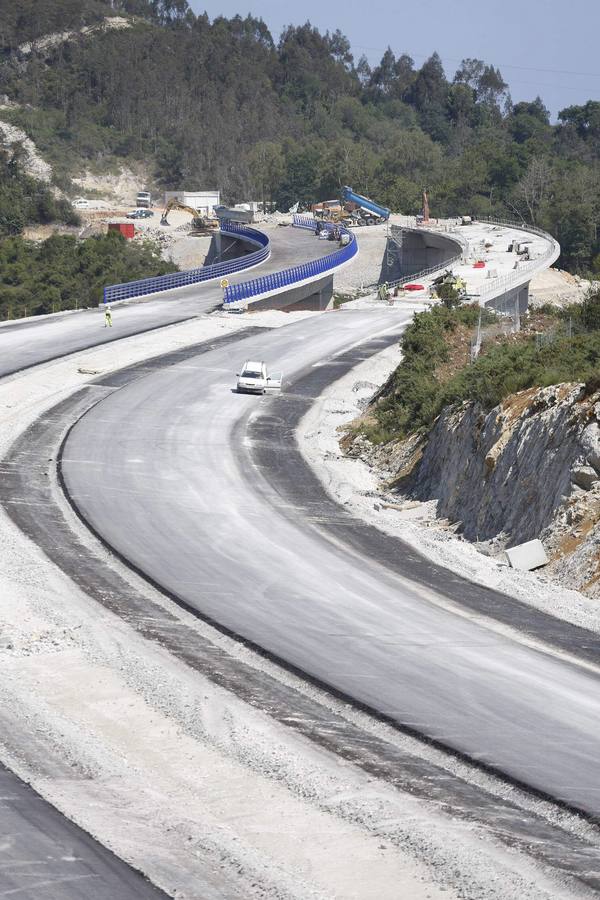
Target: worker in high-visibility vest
{"x":383,"y":292}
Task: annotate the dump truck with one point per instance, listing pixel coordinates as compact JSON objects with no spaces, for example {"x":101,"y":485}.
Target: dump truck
{"x":231,"y":214}
{"x":363,"y":210}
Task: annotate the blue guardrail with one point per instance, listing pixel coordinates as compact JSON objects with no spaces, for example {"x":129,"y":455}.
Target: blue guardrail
{"x":290,"y":277}
{"x":304,"y":222}
{"x":144,"y":286}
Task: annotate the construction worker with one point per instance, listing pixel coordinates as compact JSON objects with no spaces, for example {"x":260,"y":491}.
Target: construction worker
{"x":384,"y":292}
{"x":107,"y":317}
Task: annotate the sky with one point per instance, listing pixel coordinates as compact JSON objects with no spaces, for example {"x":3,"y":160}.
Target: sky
{"x":545,"y":47}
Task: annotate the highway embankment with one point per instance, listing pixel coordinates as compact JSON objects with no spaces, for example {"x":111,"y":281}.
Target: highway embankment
{"x":185,"y":744}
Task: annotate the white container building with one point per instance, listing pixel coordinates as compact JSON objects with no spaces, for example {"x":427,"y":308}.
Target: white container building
{"x":203,"y":201}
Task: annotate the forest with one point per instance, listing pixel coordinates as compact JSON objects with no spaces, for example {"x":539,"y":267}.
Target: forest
{"x":223,"y":104}
{"x":65,"y":273}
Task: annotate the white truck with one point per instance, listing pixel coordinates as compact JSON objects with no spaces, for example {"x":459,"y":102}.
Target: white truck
{"x":255,"y":379}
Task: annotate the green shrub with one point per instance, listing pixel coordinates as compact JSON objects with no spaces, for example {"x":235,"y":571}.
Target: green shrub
{"x":64,"y":273}
{"x":415,"y":396}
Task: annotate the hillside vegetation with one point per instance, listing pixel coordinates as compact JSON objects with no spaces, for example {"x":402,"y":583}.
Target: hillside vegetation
{"x":24,"y":200}
{"x":423,"y":385}
{"x":65,"y":273}
{"x":222,"y":104}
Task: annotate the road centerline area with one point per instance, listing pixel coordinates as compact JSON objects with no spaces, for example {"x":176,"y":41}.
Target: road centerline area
{"x":288,"y":589}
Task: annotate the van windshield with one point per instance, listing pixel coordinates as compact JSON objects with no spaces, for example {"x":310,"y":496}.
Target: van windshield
{"x":248,"y":373}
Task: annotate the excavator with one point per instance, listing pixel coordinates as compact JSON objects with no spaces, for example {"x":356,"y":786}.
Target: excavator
{"x":200,"y":224}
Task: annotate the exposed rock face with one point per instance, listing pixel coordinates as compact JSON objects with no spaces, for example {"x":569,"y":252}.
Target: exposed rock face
{"x":34,"y":165}
{"x":528,"y":469}
{"x":590,"y":444}
{"x":505,"y":474}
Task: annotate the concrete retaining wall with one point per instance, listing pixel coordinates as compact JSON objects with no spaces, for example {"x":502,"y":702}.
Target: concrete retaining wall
{"x":409,"y":251}
{"x":225,"y":247}
{"x":315,"y":296}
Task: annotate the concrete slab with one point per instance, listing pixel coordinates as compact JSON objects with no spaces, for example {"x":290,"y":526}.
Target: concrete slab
{"x":527,"y":556}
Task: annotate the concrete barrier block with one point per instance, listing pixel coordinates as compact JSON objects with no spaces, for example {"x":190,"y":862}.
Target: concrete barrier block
{"x":527,"y":556}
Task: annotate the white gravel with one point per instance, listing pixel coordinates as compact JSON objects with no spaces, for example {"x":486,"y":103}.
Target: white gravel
{"x":209,"y":797}
{"x":366,"y":268}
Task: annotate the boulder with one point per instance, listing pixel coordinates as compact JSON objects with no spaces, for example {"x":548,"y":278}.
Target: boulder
{"x":585,"y":477}
{"x":590,"y":443}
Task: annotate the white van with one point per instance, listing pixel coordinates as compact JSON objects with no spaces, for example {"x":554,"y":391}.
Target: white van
{"x":254,"y":378}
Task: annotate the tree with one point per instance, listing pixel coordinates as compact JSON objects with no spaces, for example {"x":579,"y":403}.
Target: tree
{"x":585,"y":119}
{"x":485,"y":81}
{"x":529,"y":121}
{"x":430,"y":87}
{"x":384,"y":74}
{"x":448,"y":294}
{"x":339,"y":47}
{"x":533,"y":188}
{"x":590,"y":311}
{"x":430,"y":95}
{"x":363,"y":70}
{"x":267,"y":166}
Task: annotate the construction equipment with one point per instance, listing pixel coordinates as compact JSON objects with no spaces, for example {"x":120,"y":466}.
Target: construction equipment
{"x":363,"y":210}
{"x":423,"y":217}
{"x":331,"y":211}
{"x":448,"y":280}
{"x":231,"y":214}
{"x":352,"y":209}
{"x":200,"y":224}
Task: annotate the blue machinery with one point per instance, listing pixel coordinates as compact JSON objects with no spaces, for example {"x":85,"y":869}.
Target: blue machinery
{"x":348,"y":195}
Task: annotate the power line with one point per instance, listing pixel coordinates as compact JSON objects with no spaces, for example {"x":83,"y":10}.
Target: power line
{"x":452,"y":59}
{"x":499,"y":65}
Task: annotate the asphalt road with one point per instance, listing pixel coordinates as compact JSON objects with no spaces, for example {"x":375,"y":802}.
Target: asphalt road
{"x":24,"y":344}
{"x":43,"y":856}
{"x":164,"y":470}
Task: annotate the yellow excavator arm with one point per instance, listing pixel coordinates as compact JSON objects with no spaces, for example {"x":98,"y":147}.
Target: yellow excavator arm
{"x":198,"y":221}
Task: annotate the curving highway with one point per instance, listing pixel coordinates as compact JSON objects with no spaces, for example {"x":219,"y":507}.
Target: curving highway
{"x":169,"y":471}
{"x":29,"y":343}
